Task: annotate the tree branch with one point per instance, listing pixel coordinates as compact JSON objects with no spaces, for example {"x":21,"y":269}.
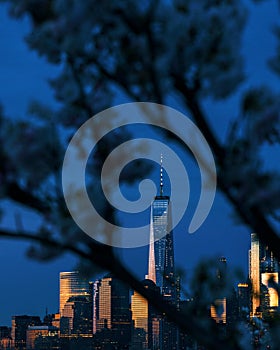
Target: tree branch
{"x":252,"y":216}
{"x":20,"y":195}
{"x":98,"y":254}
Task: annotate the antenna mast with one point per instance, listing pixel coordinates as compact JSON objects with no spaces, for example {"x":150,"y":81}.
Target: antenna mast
{"x":161,"y":176}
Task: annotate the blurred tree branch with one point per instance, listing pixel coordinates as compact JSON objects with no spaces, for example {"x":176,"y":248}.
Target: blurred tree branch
{"x":103,"y":256}
{"x":149,"y":51}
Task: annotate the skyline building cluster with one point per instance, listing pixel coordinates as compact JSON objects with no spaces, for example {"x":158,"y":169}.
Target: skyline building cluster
{"x":107,"y":314}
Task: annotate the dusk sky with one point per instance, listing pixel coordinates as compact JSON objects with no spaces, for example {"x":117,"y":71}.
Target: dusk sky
{"x":28,"y":287}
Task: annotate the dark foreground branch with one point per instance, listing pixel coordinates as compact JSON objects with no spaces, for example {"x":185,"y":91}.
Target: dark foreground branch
{"x":252,"y":216}
{"x":103,"y":256}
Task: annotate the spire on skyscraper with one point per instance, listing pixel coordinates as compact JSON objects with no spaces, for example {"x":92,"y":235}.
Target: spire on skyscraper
{"x":161,"y":250}
{"x":161,"y":176}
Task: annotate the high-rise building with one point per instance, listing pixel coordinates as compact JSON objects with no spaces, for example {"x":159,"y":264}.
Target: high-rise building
{"x":161,"y":249}
{"x":71,"y":284}
{"x":102,"y":304}
{"x":161,"y":264}
{"x":139,"y":309}
{"x":243,"y":295}
{"x":269,"y":269}
{"x":19,"y":327}
{"x":5,"y":338}
{"x":5,"y":332}
{"x":254,"y":274}
{"x":47,"y":335}
{"x":77,"y":316}
{"x":146,"y":320}
{"x":111,"y":311}
{"x":263,"y":271}
{"x":218,"y":309}
{"x":273,"y":296}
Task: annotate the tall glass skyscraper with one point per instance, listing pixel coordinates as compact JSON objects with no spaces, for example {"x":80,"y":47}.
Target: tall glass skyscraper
{"x":161,"y":263}
{"x":161,"y":250}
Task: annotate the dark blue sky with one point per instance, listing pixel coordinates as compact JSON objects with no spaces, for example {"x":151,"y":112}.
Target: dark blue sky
{"x":29,"y":287}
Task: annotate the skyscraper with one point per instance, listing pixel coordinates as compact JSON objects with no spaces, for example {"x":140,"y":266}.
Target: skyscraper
{"x":161,"y":250}
{"x":19,"y":327}
{"x":269,"y":269}
{"x":71,"y":284}
{"x":218,"y":309}
{"x":140,"y":318}
{"x":111,"y":311}
{"x":243,"y":300}
{"x":146,"y":320}
{"x":254,"y":273}
{"x":264,"y":269}
{"x":161,"y":264}
{"x":77,"y":316}
{"x":42,"y":337}
{"x":139,"y":308}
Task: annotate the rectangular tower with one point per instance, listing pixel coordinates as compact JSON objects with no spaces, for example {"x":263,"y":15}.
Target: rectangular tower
{"x":263,"y":269}
{"x":71,"y":284}
{"x":20,"y":325}
{"x":254,"y":273}
{"x":111,"y":311}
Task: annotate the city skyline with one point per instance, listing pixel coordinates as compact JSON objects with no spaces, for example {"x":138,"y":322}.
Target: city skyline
{"x":106,"y":311}
{"x":220,"y":233}
{"x":95,"y":307}
{"x":160,"y":258}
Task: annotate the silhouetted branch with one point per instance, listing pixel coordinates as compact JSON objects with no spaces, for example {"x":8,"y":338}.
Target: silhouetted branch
{"x":102,"y":255}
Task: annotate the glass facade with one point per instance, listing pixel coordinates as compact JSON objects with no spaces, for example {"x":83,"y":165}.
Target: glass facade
{"x":264,"y":269}
{"x":102,"y":304}
{"x":71,"y":284}
{"x":272,"y":292}
{"x":255,"y":273}
{"x":161,"y":250}
{"x":139,"y":308}
{"x":161,"y":267}
{"x":140,"y":314}
{"x":47,"y":333}
{"x":20,"y":325}
{"x":112,"y":316}
{"x":219,"y":310}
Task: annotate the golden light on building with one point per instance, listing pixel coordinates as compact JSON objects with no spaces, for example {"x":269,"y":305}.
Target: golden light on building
{"x":68,"y":313}
{"x":254,"y":263}
{"x":104,"y":304}
{"x":33,"y":332}
{"x":139,"y":309}
{"x":219,"y":310}
{"x":56,"y":320}
{"x":266,"y":277}
{"x":71,"y":284}
{"x":243,"y":285}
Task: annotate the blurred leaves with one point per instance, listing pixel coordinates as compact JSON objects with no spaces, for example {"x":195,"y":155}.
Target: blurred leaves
{"x":275,"y":61}
{"x":145,"y":51}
